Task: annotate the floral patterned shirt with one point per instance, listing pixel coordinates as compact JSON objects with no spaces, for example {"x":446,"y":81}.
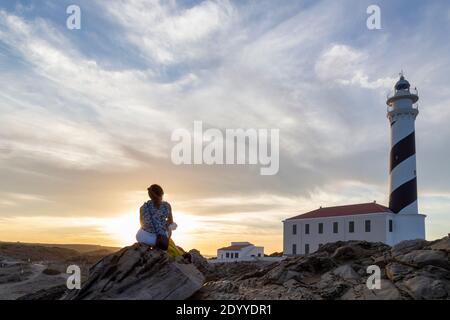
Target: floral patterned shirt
{"x":154,"y":220}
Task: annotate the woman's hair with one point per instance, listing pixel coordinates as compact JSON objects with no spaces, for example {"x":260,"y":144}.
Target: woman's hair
{"x":156,"y":193}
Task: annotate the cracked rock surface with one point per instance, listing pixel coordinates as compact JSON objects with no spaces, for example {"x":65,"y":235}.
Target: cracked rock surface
{"x":414,"y":269}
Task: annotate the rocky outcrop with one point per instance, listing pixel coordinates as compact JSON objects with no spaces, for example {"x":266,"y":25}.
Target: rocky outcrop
{"x":53,"y":293}
{"x":415,"y":269}
{"x":140,"y":273}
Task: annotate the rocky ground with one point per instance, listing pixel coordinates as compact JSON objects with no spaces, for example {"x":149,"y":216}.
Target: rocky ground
{"x":34,"y":270}
{"x":140,"y":273}
{"x":415,"y":269}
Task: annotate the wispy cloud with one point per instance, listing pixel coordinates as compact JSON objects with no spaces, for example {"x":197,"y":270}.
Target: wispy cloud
{"x":86,"y":115}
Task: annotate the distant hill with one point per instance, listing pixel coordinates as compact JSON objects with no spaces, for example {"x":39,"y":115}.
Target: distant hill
{"x":51,"y":252}
{"x":82,"y":248}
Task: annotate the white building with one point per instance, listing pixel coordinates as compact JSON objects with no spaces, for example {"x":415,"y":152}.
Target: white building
{"x":400,"y":221}
{"x":239,"y":251}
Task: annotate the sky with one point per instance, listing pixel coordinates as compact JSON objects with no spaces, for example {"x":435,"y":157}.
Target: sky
{"x":86,"y":116}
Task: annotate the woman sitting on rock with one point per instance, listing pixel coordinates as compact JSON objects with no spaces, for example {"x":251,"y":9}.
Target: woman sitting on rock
{"x":157,"y":223}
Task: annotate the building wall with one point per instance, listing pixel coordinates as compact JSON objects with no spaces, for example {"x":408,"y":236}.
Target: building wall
{"x":409,"y":226}
{"x":246,"y":253}
{"x":379,"y":231}
{"x":404,"y":227}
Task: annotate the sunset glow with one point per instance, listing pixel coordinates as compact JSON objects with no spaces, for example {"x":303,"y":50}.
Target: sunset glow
{"x":87,"y":116}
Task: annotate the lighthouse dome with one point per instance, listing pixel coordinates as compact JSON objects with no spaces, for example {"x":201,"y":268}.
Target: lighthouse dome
{"x":402,"y":84}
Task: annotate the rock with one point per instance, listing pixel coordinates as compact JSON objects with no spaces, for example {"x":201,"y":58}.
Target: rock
{"x":51,"y":272}
{"x":339,"y":271}
{"x":421,"y":287}
{"x":412,"y":270}
{"x":335,"y":291}
{"x":280,"y":276}
{"x":201,"y":263}
{"x":443,"y":244}
{"x":381,"y":260}
{"x":334,"y":283}
{"x":314,"y":263}
{"x":408,"y":246}
{"x":387,"y":291}
{"x":357,"y":250}
{"x":53,"y":293}
{"x":421,"y":258}
{"x":276,"y":254}
{"x":237,"y":270}
{"x":436,"y":272}
{"x":326,"y":280}
{"x":291,"y":284}
{"x":253,"y":290}
{"x":344,"y":253}
{"x":140,"y":273}
{"x":346,"y":272}
{"x":396,"y":271}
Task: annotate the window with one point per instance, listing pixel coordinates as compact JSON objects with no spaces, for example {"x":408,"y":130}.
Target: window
{"x":367,"y":225}
{"x":351,"y":226}
{"x":294,"y":249}
{"x":335,"y":227}
{"x":259,"y":254}
{"x":320,"y":227}
{"x":294,"y":229}
{"x":391,"y":226}
{"x":227,"y":255}
{"x":236,"y":255}
{"x":307,"y":228}
{"x":306,"y":248}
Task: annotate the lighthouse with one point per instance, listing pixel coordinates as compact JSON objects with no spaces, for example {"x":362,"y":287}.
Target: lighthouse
{"x":402,"y":112}
{"x":371,"y":221}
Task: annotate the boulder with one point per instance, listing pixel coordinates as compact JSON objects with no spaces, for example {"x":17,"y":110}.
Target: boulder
{"x":387,"y":291}
{"x":381,"y":260}
{"x":443,"y":244}
{"x":363,"y":251}
{"x":280,"y":275}
{"x":314,"y":263}
{"x":53,"y":293}
{"x":334,"y":291}
{"x":408,"y":246}
{"x":200,"y":262}
{"x":396,"y":271}
{"x":421,"y":258}
{"x":138,"y":272}
{"x":421,"y":287}
{"x":346,"y":272}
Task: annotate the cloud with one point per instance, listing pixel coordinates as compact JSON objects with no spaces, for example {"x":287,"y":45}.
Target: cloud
{"x":166,"y":33}
{"x":86,"y":116}
{"x":344,"y":65}
{"x":70,"y":78}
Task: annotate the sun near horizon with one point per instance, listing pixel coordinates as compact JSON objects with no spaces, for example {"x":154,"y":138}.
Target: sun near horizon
{"x":120,"y":231}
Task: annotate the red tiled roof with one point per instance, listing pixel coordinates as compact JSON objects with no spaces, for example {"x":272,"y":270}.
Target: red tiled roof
{"x":353,"y":209}
{"x":235,"y":247}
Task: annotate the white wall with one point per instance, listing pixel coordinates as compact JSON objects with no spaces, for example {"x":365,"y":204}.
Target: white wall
{"x":249,"y":252}
{"x":405,"y":227}
{"x":251,"y":259}
{"x":378,"y":232}
{"x":409,"y":226}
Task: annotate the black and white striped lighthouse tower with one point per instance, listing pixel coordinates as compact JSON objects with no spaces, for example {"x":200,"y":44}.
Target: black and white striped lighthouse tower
{"x":402,"y":112}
